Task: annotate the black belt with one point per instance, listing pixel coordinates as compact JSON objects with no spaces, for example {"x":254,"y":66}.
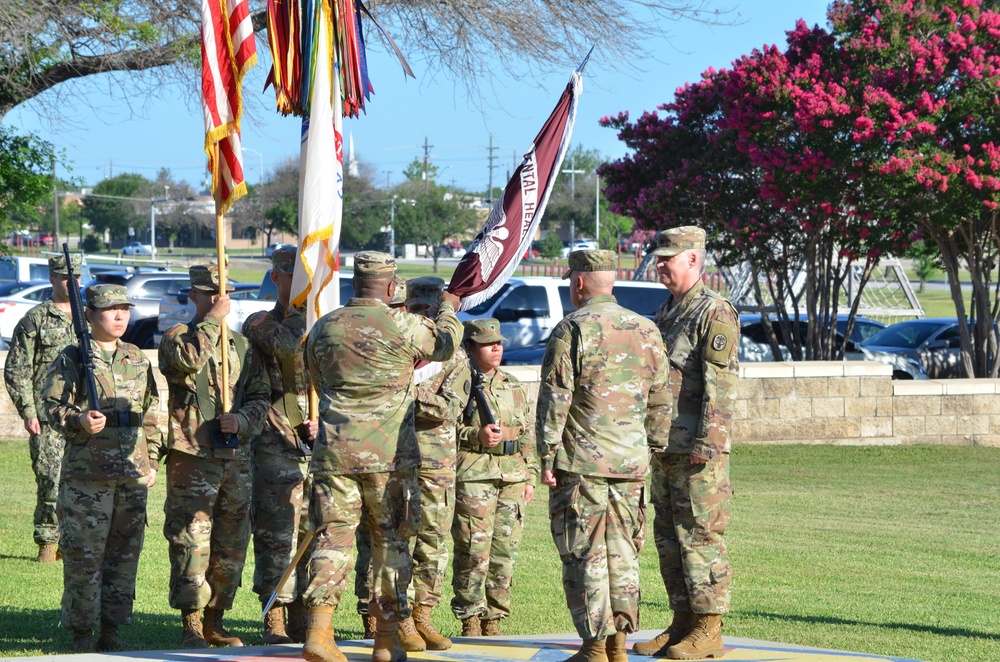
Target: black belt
{"x":122,"y":419}
{"x":509,"y":447}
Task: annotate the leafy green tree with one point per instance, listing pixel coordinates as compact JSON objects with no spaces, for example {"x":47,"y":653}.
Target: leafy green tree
{"x":926,"y":260}
{"x":113,"y":215}
{"x":366,"y":211}
{"x":25,"y":175}
{"x":433,"y":217}
{"x":550,"y":246}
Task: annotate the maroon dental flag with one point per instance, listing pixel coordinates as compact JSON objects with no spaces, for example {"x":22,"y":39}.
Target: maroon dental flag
{"x":500,"y":245}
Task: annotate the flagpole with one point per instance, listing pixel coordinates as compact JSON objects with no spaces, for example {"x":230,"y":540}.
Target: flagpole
{"x":220,"y":243}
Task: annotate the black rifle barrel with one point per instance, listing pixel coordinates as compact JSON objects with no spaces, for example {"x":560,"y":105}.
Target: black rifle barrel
{"x":485,"y":415}
{"x":82,"y":334}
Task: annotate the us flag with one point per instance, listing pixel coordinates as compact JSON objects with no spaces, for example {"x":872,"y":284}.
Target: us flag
{"x":227,"y":53}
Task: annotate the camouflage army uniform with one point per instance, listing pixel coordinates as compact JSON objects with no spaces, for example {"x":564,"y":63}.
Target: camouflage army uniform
{"x":102,"y":497}
{"x":36,"y":342}
{"x":603,"y":400}
{"x":280,"y":458}
{"x":490,"y":502}
{"x":361,"y":358}
{"x":692,"y":501}
{"x":207,"y":508}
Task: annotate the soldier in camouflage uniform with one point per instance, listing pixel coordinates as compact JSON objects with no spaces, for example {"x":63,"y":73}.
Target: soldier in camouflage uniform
{"x":691,"y":490}
{"x":281,"y":456}
{"x":440,"y":399}
{"x":207,"y":523}
{"x":603,"y":402}
{"x":109,"y":465}
{"x":497,"y":470}
{"x":360,"y":357}
{"x":36,"y":342}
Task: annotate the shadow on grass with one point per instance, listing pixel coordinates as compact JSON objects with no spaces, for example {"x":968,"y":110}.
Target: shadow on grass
{"x":912,"y":627}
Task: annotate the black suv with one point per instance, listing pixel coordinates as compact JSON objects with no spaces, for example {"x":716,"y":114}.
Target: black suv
{"x":145,"y":289}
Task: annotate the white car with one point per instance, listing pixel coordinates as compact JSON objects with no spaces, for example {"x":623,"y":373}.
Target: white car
{"x":135,"y":248}
{"x":580,"y":245}
{"x":18,"y":298}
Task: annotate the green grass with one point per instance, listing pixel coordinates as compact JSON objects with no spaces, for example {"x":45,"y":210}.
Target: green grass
{"x":888,"y":551}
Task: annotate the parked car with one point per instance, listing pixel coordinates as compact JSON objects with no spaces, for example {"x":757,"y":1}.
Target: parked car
{"x":45,"y":239}
{"x":934,"y":343}
{"x":16,"y":299}
{"x":144,"y":290}
{"x":273,"y":247}
{"x":136,"y":248}
{"x":580,"y":245}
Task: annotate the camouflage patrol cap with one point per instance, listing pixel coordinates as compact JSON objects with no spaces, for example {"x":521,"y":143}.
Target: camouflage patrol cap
{"x":57,"y":264}
{"x":399,"y":295}
{"x":283,"y":259}
{"x":675,"y":240}
{"x":106,"y":296}
{"x":424,"y":290}
{"x":374,"y":264}
{"x":591,"y":260}
{"x":206,"y":278}
{"x":483,"y":331}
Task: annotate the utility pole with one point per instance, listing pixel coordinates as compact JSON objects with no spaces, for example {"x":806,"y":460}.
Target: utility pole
{"x":387,"y":173}
{"x":491,"y":158}
{"x":55,"y":200}
{"x":392,"y":228}
{"x":573,"y":172}
{"x":427,"y":159}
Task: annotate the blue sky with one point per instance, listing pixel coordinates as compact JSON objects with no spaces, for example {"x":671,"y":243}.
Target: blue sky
{"x":169,"y":132}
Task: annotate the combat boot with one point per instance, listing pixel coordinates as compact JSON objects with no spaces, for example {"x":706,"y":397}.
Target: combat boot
{"x":83,"y":641}
{"x":192,"y":635}
{"x":46,"y":553}
{"x":386,"y":647}
{"x":592,"y":650}
{"x":110,"y":641}
{"x":678,"y":629}
{"x":409,"y":638}
{"x":368,"y":625}
{"x":471,"y":627}
{"x":491,"y":628}
{"x":435,"y":640}
{"x":274,"y":626}
{"x":215,"y":631}
{"x":320,"y":645}
{"x":298,"y":621}
{"x":704,"y":640}
{"x":615,"y":646}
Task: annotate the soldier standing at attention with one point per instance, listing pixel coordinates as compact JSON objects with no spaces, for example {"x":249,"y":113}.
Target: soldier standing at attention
{"x":497,"y":470}
{"x":109,"y":465}
{"x":439,"y":403}
{"x":281,"y":455}
{"x":603,"y":402}
{"x":690,"y":485}
{"x":207,"y":509}
{"x":36,"y":342}
{"x":360,"y":357}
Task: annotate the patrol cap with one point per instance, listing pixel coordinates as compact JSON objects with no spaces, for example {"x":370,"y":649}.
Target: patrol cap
{"x":283,"y":259}
{"x":675,"y":240}
{"x":106,"y":296}
{"x":206,"y":278}
{"x":57,"y":264}
{"x":424,"y":290}
{"x":483,"y":331}
{"x":591,"y":260}
{"x":374,"y":264}
{"x":399,"y":295}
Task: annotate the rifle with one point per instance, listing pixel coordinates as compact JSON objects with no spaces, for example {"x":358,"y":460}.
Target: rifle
{"x":82,"y":335}
{"x":485,"y":415}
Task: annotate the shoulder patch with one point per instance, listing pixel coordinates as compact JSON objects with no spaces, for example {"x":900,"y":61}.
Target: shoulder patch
{"x":257,"y":318}
{"x":550,"y":356}
{"x":175,"y":329}
{"x":50,"y":369}
{"x":720,"y":342}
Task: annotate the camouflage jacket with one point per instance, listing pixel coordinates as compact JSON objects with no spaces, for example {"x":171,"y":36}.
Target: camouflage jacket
{"x":186,"y":350}
{"x":131,"y":439}
{"x":361,"y":358}
{"x":38,"y":338}
{"x":702,"y":335}
{"x":278,"y":336}
{"x":440,"y":401}
{"x":508,"y":402}
{"x":604,"y":397}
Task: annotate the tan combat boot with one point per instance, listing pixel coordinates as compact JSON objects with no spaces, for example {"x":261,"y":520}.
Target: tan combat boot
{"x":110,"y":641}
{"x":409,"y":638}
{"x":298,"y":621}
{"x":192,"y":635}
{"x":274,"y":626}
{"x":704,"y":640}
{"x":491,"y":628}
{"x":320,"y":645}
{"x":215,"y":631}
{"x":471,"y":627}
{"x":592,"y":650}
{"x":386,"y":647}
{"x":46,"y":553}
{"x":615,"y":646}
{"x":368,"y":625}
{"x":435,"y":640}
{"x":678,"y":629}
{"x":83,"y":641}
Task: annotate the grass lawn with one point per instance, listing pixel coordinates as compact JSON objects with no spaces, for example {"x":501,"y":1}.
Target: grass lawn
{"x":890,"y":550}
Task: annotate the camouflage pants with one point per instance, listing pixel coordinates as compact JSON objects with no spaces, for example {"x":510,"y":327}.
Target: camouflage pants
{"x":489,"y":521}
{"x":46,"y":461}
{"x":207,"y":526}
{"x":598,"y":525}
{"x":392,"y":506}
{"x":363,"y":565}
{"x":279,"y":485}
{"x":430,"y":546}
{"x":691,"y":502}
{"x":102,"y":527}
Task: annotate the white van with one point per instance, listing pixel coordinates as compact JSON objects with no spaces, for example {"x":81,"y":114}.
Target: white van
{"x":528,"y":308}
{"x":20,"y":269}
